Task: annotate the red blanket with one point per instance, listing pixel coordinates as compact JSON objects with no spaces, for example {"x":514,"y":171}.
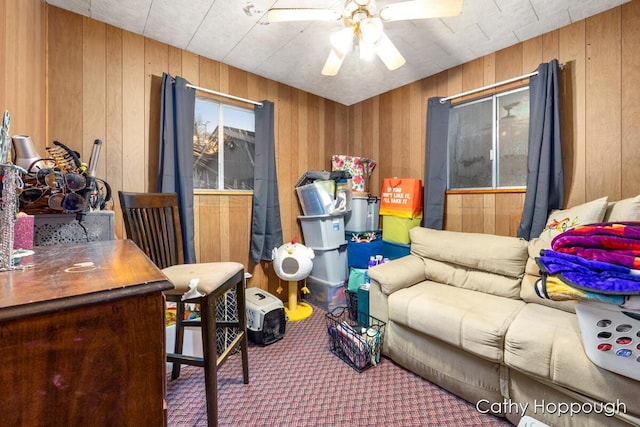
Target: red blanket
{"x":613,"y":242}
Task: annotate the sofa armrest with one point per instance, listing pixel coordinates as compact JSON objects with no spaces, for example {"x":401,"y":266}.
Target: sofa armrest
{"x":399,"y":273}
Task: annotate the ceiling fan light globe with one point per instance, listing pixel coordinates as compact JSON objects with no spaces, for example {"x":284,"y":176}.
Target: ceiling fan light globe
{"x":362,"y":2}
{"x":342,"y":41}
{"x":367,"y":50}
{"x":371,"y":30}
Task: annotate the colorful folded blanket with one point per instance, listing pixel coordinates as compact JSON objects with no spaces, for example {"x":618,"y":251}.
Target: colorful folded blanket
{"x":612,"y":242}
{"x":589,"y":275}
{"x":551,"y":287}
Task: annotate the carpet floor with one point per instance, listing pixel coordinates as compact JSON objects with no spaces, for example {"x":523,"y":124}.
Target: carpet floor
{"x":298,"y":381}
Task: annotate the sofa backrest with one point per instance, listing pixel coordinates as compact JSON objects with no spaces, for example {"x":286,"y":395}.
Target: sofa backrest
{"x":482,"y":262}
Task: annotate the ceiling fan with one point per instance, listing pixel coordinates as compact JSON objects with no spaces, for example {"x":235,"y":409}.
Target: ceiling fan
{"x":363,"y":22}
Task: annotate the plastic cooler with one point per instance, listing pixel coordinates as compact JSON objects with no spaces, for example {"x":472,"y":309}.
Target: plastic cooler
{"x":323,"y":231}
{"x":364,"y":214}
{"x":330,"y":264}
{"x":324,"y":294}
{"x":611,"y":337}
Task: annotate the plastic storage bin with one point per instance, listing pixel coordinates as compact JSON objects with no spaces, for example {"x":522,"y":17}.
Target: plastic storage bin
{"x":393,"y":250}
{"x":330,"y":264}
{"x":396,"y":229}
{"x":324,"y":294}
{"x":364,"y":215}
{"x":323,"y":231}
{"x":356,"y":345}
{"x":358,"y":253}
{"x":610,"y":335}
{"x":317,"y":198}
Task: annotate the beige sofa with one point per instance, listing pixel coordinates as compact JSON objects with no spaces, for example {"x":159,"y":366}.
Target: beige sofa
{"x":462,"y":313}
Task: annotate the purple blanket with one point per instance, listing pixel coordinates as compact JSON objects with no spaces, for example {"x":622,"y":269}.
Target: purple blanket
{"x":589,"y":275}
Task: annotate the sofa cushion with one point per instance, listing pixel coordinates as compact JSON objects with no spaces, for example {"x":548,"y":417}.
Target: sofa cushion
{"x":475,"y":280}
{"x":547,"y":344}
{"x":473,"y":321}
{"x":502,"y":255}
{"x":563,"y":219}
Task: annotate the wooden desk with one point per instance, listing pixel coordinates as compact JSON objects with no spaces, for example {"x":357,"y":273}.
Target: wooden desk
{"x":82,"y":338}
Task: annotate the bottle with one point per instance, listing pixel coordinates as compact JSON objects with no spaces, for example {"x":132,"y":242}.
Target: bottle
{"x":372,"y":261}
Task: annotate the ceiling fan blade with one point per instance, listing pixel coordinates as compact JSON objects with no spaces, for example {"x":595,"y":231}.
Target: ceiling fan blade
{"x":388,"y":53}
{"x":333,"y":64}
{"x":420,"y":9}
{"x":285,"y":15}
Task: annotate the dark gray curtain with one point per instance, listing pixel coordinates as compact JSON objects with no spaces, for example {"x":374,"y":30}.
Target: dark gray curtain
{"x":435,"y":164}
{"x":175,"y":168}
{"x":545,"y":174}
{"x":266,"y":227}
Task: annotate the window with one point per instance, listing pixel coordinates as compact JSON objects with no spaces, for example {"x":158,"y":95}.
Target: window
{"x":488,"y":141}
{"x":228,"y":165}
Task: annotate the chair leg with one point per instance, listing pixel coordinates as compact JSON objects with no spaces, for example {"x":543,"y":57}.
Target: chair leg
{"x":242,"y":320}
{"x":208,"y":329}
{"x":175,"y":371}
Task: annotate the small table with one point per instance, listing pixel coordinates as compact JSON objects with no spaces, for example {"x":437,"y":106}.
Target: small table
{"x":82,"y":335}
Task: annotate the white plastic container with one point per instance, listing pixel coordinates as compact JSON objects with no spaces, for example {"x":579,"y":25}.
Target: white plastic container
{"x":323,"y":231}
{"x":330,"y":264}
{"x":324,"y":294}
{"x":611,"y":337}
{"x":364,"y":215}
{"x":317,"y":198}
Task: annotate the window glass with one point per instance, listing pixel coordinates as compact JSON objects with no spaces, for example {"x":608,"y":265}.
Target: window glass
{"x":513,"y":136}
{"x":223,"y":146}
{"x":470,"y":143}
{"x":488,"y":142}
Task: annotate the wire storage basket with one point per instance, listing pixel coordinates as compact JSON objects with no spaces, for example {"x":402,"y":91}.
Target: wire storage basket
{"x":356,"y":344}
{"x":352,"y":303}
{"x":611,"y":337}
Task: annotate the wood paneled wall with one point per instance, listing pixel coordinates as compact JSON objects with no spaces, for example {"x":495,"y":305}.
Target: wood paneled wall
{"x":22,"y":67}
{"x":104,"y":83}
{"x":97,"y":81}
{"x":600,"y":117}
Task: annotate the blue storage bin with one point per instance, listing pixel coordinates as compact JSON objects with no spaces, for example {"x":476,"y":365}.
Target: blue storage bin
{"x":358,"y":253}
{"x":393,"y":250}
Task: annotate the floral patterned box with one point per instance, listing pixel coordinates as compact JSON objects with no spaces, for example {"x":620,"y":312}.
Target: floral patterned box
{"x":359,"y":167}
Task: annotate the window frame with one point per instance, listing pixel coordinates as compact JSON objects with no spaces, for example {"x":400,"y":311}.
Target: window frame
{"x":494,"y":156}
{"x":220,"y":134}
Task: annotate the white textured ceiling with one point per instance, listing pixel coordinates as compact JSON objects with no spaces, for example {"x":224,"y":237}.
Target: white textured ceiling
{"x":236,"y":33}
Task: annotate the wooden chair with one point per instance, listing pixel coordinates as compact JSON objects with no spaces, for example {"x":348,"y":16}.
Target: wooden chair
{"x":152,"y":221}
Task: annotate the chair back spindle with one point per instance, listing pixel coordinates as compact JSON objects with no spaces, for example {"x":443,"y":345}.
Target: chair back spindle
{"x":153,"y":223}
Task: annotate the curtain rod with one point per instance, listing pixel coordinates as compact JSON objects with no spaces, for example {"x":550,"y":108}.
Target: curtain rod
{"x":491,"y":86}
{"x":225,"y":95}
